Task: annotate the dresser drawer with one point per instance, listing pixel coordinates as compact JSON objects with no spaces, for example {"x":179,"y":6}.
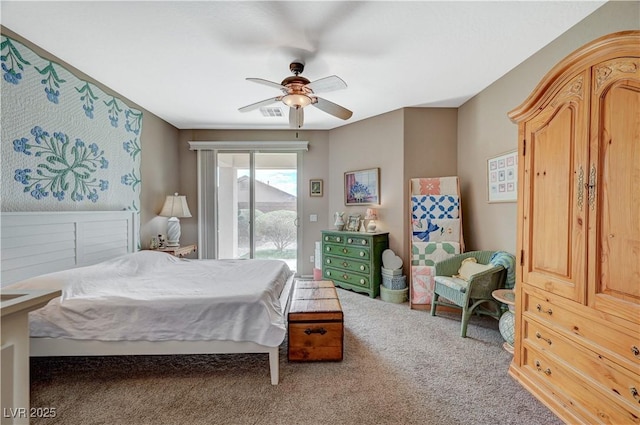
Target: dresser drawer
{"x":570,"y":389}
{"x":347,"y":264}
{"x":347,"y":251}
{"x":597,"y":335}
{"x":621,"y":384}
{"x":334,"y":238}
{"x":358,"y":241}
{"x":347,"y":277}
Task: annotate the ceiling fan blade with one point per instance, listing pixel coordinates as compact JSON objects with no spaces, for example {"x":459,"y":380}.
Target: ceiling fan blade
{"x":260,"y":104}
{"x":296,"y":117}
{"x":326,"y":84}
{"x":268,"y":83}
{"x":332,"y":108}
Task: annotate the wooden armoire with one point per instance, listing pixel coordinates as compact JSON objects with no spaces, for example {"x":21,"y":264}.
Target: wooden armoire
{"x":577,"y":343}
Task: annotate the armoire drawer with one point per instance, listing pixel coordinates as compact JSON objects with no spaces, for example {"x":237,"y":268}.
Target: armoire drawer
{"x":622,"y":347}
{"x":569,"y":390}
{"x":347,"y":277}
{"x":622,"y":385}
{"x":347,"y":251}
{"x":347,"y":264}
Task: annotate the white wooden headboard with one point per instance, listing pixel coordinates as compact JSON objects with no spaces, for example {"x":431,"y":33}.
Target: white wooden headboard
{"x":35,"y":243}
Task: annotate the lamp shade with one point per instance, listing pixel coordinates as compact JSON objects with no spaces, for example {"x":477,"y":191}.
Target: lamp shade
{"x":175,"y":206}
{"x":372,"y":214}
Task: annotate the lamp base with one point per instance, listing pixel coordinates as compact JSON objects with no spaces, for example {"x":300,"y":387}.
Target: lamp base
{"x":173,"y":231}
{"x":371,"y":226}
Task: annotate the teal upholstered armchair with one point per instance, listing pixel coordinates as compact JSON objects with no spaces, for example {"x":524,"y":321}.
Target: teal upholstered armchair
{"x":468,"y":285}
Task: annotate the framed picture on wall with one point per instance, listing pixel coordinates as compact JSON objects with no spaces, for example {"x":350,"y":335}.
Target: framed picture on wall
{"x":315,"y":187}
{"x":502,"y":177}
{"x":362,"y":187}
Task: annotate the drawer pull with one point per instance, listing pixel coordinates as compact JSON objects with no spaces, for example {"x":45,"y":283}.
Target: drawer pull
{"x":328,"y":260}
{"x":345,"y":250}
{"x":350,"y":240}
{"x":328,"y":273}
{"x":328,"y":248}
{"x":635,"y":394}
{"x":362,"y":253}
{"x":547,"y":371}
{"x":345,"y":264}
{"x":635,"y":351}
{"x":362,"y":281}
{"x":539,"y":308}
{"x":326,"y":238}
{"x":320,"y":331}
{"x":345,"y":276}
{"x":362,"y":267}
{"x":364,"y":242}
{"x":338,"y":238}
{"x":548,"y":341}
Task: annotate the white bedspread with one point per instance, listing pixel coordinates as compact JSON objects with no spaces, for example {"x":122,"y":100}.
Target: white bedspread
{"x":153,"y":296}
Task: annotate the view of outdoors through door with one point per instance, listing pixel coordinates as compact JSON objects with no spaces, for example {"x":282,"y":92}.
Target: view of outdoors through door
{"x":259,"y":222}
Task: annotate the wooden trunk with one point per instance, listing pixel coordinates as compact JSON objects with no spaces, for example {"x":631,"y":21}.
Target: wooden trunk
{"x":316,"y":325}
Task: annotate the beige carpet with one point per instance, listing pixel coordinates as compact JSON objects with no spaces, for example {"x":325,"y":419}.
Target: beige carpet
{"x":401,"y":366}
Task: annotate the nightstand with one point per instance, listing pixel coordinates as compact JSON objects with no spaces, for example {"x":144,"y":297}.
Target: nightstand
{"x":179,"y":251}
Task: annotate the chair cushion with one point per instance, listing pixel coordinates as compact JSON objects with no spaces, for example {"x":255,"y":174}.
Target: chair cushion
{"x":453,"y":283}
{"x":470,"y":267}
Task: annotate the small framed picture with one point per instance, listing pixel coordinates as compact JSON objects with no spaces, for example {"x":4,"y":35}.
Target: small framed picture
{"x":353,"y":223}
{"x":315,"y":187}
{"x":362,"y":187}
{"x":500,"y":169}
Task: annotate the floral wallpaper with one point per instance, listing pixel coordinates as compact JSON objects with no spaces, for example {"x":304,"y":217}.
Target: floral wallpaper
{"x":66,"y":145}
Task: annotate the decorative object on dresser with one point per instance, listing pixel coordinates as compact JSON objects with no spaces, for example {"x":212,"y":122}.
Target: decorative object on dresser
{"x":339,"y":220}
{"x":316,"y":322}
{"x":362,"y":187}
{"x":352,"y":260}
{"x":372,"y":216}
{"x":435,"y":232}
{"x":353,"y":223}
{"x":577,"y":336}
{"x":466,"y":281}
{"x":175,"y":207}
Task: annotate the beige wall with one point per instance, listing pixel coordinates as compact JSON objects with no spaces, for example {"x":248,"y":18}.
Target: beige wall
{"x":159,"y":168}
{"x":371,"y":143}
{"x":484,"y":129}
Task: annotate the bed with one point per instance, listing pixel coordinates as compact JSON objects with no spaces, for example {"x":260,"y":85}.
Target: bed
{"x":181,"y":306}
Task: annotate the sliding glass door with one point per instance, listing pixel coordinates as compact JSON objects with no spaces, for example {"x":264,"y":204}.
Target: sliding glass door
{"x":257,"y":205}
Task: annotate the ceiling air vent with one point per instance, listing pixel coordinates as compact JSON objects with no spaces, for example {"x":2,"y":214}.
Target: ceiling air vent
{"x":271,"y":112}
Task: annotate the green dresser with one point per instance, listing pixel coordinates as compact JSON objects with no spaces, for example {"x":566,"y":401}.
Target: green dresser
{"x":353,"y":260}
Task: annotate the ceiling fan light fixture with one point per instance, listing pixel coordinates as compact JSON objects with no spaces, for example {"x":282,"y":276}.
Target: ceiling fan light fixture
{"x":296,"y":100}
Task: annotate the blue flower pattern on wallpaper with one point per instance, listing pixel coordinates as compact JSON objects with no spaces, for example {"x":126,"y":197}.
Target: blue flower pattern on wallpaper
{"x":134,"y":121}
{"x":130,"y":179}
{"x":51,"y":81}
{"x":65,"y":168}
{"x":10,"y":61}
{"x":87,"y":99}
{"x":114,"y":110}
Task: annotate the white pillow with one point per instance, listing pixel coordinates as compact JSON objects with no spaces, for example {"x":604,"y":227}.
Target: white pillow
{"x":471,"y":267}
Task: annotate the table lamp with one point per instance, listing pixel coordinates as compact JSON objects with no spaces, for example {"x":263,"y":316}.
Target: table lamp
{"x":372,"y":216}
{"x":175,"y":207}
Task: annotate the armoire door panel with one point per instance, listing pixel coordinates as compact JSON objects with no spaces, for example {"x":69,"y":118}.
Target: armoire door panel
{"x":554,"y":230}
{"x":614,"y":280}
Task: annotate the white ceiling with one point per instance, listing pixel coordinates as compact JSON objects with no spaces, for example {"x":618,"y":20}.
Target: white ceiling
{"x":187,"y":61}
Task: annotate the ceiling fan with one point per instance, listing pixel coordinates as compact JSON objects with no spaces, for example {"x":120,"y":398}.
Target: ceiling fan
{"x":299,"y":92}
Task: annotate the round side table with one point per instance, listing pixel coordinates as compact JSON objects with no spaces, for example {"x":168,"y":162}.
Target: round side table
{"x":507,"y":320}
